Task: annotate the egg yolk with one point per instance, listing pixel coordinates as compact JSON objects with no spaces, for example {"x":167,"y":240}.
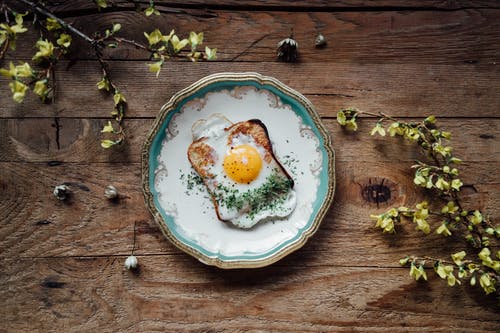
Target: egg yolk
{"x":242,"y":163}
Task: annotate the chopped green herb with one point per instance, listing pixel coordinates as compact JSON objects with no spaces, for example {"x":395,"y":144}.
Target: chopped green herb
{"x":270,"y":195}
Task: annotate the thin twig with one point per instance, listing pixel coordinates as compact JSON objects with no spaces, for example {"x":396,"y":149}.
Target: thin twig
{"x":66,"y":25}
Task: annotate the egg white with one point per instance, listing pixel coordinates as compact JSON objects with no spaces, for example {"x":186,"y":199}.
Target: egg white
{"x":213,"y":129}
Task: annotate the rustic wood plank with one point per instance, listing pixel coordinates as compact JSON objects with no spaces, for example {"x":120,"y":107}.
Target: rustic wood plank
{"x":171,"y":294}
{"x":77,"y":140}
{"x":324,"y":5}
{"x":381,"y":37}
{"x":35,"y":224}
{"x":414,"y":90}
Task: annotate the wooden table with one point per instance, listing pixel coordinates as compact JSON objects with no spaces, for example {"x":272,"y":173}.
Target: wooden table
{"x":63,"y":262}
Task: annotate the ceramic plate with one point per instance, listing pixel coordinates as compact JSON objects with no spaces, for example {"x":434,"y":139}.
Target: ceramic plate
{"x":183,"y":208}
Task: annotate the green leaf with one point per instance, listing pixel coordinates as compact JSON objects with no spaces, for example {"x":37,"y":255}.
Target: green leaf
{"x":116,"y":27}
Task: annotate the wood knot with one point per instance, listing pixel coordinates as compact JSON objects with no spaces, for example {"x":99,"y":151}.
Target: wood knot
{"x":376,"y":190}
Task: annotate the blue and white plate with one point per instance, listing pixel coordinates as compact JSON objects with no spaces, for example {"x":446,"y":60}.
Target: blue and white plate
{"x":183,"y":208}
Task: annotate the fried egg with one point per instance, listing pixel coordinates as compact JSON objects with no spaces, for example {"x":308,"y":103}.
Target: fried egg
{"x":236,"y":162}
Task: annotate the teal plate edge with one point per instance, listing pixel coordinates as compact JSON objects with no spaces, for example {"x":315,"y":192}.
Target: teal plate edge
{"x":300,"y":105}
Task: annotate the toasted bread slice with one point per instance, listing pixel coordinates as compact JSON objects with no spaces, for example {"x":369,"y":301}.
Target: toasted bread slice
{"x":205,"y":158}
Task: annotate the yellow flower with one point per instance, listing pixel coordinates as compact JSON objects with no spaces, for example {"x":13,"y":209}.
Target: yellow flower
{"x":3,"y":36}
{"x":430,"y":120}
{"x":9,"y":73}
{"x":450,"y":208}
{"x":341,"y":118}
{"x":107,"y":143}
{"x":211,"y":53}
{"x":422,"y":225}
{"x":419,"y":180}
{"x":487,"y":283}
{"x":118,"y":97}
{"x":41,"y":88}
{"x":101,"y":3}
{"x":395,"y":129}
{"x":439,"y":269}
{"x":442,"y":184}
{"x":154,"y":37}
{"x":16,"y":28}
{"x":195,"y":39}
{"x":443,"y":230}
{"x":24,"y":70}
{"x":451,"y":279}
{"x":155,"y":67}
{"x":412,"y":134}
{"x":45,"y":49}
{"x":178,"y":44}
{"x":352,"y":125}
{"x":457,"y":257}
{"x":108,"y":128}
{"x":64,"y":40}
{"x":378,"y":129}
{"x":18,"y":90}
{"x":476,"y":218}
{"x":456,"y":184}
{"x":151,"y":10}
{"x":417,"y":273}
{"x":52,"y":24}
{"x":103,"y":84}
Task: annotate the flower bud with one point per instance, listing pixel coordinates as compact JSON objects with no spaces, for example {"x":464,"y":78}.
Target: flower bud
{"x":111,"y":192}
{"x":131,"y":262}
{"x":61,"y":192}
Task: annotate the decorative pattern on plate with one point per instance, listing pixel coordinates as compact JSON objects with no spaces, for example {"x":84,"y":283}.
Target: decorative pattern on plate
{"x":186,"y":215}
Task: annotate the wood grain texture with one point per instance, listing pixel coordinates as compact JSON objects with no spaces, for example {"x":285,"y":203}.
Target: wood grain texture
{"x":378,"y":37}
{"x":62,"y":262}
{"x":412,"y":90}
{"x":77,"y":140}
{"x":36,"y":224}
{"x":324,"y":5}
{"x":173,"y":294}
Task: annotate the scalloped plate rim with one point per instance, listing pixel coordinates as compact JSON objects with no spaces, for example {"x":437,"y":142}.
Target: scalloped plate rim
{"x":154,"y":139}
